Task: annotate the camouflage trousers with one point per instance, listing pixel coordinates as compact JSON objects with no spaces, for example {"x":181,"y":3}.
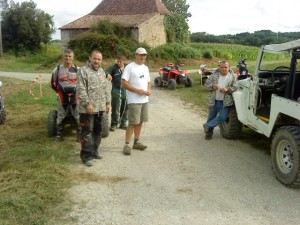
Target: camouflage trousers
{"x":90,"y":137}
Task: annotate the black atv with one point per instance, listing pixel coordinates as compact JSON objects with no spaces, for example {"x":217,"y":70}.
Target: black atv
{"x":2,"y":108}
{"x":70,"y":120}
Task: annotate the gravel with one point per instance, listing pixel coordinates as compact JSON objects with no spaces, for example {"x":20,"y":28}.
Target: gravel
{"x":181,"y":178}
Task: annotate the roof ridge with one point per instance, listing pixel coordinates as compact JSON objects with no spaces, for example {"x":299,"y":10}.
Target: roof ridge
{"x":129,"y":7}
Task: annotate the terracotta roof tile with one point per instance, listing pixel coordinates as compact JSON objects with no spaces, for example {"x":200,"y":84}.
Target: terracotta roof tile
{"x":128,"y":13}
{"x":130,"y":7}
{"x":86,"y":22}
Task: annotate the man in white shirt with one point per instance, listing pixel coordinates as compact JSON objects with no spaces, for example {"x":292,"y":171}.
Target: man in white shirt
{"x":136,"y":81}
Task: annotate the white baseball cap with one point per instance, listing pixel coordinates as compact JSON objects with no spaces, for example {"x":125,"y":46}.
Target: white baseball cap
{"x":141,"y":51}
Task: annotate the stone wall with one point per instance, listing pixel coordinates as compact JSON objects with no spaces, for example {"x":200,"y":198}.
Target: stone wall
{"x":153,"y":31}
{"x":67,"y":35}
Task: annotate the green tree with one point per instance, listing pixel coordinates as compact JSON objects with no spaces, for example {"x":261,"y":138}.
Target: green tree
{"x":176,"y":25}
{"x":178,"y":7}
{"x":25,"y":27}
{"x":177,"y":29}
{"x":3,"y":5}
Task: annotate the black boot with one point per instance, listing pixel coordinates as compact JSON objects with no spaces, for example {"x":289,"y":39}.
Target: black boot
{"x":59,"y":136}
{"x":78,"y":135}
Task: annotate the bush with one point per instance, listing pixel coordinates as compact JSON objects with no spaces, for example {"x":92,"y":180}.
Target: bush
{"x":217,"y":53}
{"x":175,"y":52}
{"x":109,"y":45}
{"x":208,"y":55}
{"x":107,"y":27}
{"x":228,"y":56}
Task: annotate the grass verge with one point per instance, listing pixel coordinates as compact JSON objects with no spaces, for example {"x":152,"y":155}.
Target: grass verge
{"x":35,"y":173}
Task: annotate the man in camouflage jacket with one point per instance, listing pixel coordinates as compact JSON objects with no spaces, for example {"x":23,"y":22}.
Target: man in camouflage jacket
{"x":94,"y":93}
{"x":220,"y":85}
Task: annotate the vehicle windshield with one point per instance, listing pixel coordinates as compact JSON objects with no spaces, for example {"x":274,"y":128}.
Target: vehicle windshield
{"x":270,"y":61}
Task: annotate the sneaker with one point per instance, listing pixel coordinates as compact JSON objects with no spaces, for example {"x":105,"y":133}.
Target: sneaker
{"x":98,"y":156}
{"x":139,"y":146}
{"x":123,"y":127}
{"x":126,"y":150}
{"x":88,"y":162}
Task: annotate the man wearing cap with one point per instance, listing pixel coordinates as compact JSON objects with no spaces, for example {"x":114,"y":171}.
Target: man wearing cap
{"x":136,"y":81}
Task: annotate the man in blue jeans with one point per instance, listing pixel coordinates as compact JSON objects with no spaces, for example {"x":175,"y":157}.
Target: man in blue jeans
{"x":221,"y":85}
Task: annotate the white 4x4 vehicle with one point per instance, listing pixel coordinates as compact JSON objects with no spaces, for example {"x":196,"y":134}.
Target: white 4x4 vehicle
{"x":267,"y":103}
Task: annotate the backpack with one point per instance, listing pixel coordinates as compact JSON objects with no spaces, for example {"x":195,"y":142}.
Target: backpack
{"x":55,"y":87}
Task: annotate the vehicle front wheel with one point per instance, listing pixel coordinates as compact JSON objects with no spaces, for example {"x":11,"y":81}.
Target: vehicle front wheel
{"x":189,"y":82}
{"x":203,"y":80}
{"x":2,"y":112}
{"x":105,"y":125}
{"x":172,"y":84}
{"x":158,"y":82}
{"x":232,"y":127}
{"x":52,"y":116}
{"x":285,"y":156}
{"x":2,"y":116}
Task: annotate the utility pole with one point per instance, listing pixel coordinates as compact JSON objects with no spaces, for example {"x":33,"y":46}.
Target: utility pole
{"x":1,"y":48}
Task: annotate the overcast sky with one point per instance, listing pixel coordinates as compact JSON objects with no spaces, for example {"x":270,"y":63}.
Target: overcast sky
{"x":211,"y":16}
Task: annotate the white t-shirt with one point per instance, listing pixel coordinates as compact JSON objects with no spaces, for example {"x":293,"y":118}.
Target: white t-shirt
{"x":223,"y":83}
{"x":138,"y":76}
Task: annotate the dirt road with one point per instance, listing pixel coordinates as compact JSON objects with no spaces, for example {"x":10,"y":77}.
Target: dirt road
{"x":180,"y":179}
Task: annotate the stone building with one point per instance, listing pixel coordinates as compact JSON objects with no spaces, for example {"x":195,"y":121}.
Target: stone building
{"x":144,"y":19}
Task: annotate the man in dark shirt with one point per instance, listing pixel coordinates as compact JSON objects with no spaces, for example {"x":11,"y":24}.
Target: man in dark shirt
{"x":118,"y":94}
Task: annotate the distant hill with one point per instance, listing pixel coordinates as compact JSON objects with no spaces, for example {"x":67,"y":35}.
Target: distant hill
{"x":257,"y":38}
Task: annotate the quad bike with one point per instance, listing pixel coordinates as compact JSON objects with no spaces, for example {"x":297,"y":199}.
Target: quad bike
{"x":2,"y":108}
{"x":171,"y":76}
{"x":204,"y":72}
{"x":242,"y":71}
{"x":70,"y":120}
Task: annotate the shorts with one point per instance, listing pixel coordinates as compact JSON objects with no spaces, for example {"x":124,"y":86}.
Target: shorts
{"x":137,"y":113}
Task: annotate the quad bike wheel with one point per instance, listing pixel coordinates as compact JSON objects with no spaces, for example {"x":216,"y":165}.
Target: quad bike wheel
{"x":189,"y":82}
{"x":52,"y":129}
{"x":2,"y":116}
{"x":285,"y":156}
{"x":172,"y":84}
{"x":105,"y":125}
{"x":2,"y":112}
{"x":203,"y":80}
{"x":52,"y":116}
{"x":232,"y":127}
{"x":158,"y":82}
